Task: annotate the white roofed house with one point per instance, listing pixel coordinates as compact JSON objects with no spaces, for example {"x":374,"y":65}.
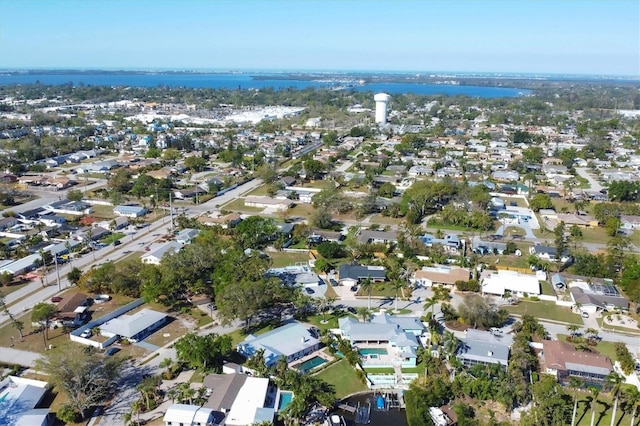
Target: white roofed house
{"x":186,"y":235}
{"x":484,"y":347}
{"x":497,"y":282}
{"x":134,"y":327}
{"x":130,"y":211}
{"x":157,"y":252}
{"x":18,"y":398}
{"x":188,"y":415}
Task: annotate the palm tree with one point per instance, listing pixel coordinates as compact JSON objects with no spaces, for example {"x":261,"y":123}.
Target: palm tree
{"x":430,"y":302}
{"x":594,"y":400}
{"x":591,"y":332}
{"x":614,"y":383}
{"x":573,"y":329}
{"x":450,"y":343}
{"x":367,"y":285}
{"x":398,"y":285}
{"x":576,"y":384}
{"x":632,"y":400}
{"x":363,"y":313}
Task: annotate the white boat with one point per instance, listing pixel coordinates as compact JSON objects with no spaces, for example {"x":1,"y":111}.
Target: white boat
{"x":336,"y":420}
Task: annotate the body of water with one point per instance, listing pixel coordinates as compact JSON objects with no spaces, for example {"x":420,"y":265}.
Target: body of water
{"x":246,"y":81}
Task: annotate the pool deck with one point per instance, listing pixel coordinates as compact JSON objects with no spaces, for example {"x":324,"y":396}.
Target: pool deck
{"x":319,"y":353}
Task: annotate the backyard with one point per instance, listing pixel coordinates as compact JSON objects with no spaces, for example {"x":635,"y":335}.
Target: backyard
{"x":343,"y":379}
{"x":280,"y":259}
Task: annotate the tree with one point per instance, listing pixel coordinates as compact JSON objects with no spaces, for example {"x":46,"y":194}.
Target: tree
{"x":75,"y":195}
{"x":576,"y":384}
{"x":430,"y":302}
{"x":206,"y":352}
{"x":367,"y":285}
{"x":42,"y":313}
{"x":322,"y":265}
{"x":313,"y":168}
{"x":614,"y":382}
{"x":85,"y":379}
{"x":479,"y":312}
{"x":6,"y":278}
{"x":74,"y":275}
{"x":267,"y":172}
{"x":331,"y":250}
{"x":632,"y":400}
{"x":540,"y":201}
{"x":612,"y":225}
{"x":450,"y":343}
{"x":254,"y":232}
{"x":594,"y":401}
{"x":18,"y":325}
{"x":172,"y":155}
{"x":560,"y":241}
{"x":197,"y":164}
{"x":363,"y":313}
{"x":573,"y":329}
{"x":321,"y":218}
{"x":398,"y":285}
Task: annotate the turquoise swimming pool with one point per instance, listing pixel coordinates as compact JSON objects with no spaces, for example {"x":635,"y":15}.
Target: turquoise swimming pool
{"x":311,"y":363}
{"x":373,"y":351}
{"x":285,"y":400}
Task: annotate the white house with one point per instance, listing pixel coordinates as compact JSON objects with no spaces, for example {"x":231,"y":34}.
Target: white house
{"x":500,"y":281}
{"x":155,"y":255}
{"x":267,"y":202}
{"x":130,"y":211}
{"x":188,"y":415}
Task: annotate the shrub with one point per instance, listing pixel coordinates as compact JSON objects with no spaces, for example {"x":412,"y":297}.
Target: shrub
{"x":627,"y":364}
{"x":68,"y":414}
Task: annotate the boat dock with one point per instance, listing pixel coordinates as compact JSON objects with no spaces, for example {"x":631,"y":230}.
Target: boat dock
{"x":363,"y":414}
{"x":346,"y":407}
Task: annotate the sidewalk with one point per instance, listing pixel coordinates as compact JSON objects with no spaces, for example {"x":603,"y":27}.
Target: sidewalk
{"x":19,"y":357}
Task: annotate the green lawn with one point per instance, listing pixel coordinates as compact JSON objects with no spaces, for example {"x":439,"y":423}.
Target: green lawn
{"x":238,"y":205}
{"x":259,"y":191}
{"x":594,"y":235}
{"x":281,"y":259}
{"x":238,"y":336}
{"x":332,"y":320}
{"x":546,"y":310}
{"x":547,"y":288}
{"x":385,"y":290}
{"x":112,"y":237}
{"x":343,"y":378}
{"x":604,"y":411}
{"x":384,"y":220}
{"x":103,"y":212}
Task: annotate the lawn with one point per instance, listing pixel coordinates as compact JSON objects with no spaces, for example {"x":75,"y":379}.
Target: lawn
{"x":332,"y":320}
{"x":508,"y":261}
{"x":546,"y":310}
{"x":343,"y":379}
{"x":384,"y":220}
{"x":281,"y":259}
{"x":384,"y":290}
{"x":13,"y":287}
{"x":547,"y":288}
{"x":112,"y":237}
{"x":238,"y":205}
{"x":103,"y":212}
{"x":594,"y":235}
{"x":301,"y":210}
{"x":259,"y":191}
{"x":131,"y":256}
{"x":238,"y":336}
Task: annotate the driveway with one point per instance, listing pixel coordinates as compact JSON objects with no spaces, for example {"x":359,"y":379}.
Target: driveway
{"x":583,"y":172}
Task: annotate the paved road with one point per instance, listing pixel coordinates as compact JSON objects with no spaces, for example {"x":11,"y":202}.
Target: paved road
{"x":19,"y":357}
{"x":583,"y":172}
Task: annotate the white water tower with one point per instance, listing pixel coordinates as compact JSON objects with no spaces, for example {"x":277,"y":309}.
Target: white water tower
{"x":382,"y":99}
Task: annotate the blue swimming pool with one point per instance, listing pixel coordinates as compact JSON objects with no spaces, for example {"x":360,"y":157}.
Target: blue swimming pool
{"x":373,"y":351}
{"x":311,"y":363}
{"x":285,"y":400}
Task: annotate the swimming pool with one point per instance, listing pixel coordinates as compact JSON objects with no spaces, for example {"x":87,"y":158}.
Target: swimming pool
{"x":285,"y":400}
{"x":311,"y":363}
{"x":373,"y":351}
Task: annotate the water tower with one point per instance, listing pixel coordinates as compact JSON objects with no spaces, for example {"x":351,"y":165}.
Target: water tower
{"x":382,"y":99}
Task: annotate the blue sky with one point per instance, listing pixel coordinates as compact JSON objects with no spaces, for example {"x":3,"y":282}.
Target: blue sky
{"x":577,"y":37}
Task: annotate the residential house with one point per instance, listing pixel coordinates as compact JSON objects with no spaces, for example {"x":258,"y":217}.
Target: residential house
{"x":369,"y":236}
{"x":267,"y":202}
{"x":292,"y":341}
{"x":188,"y":415}
{"x":134,"y":327}
{"x":19,"y":398}
{"x":451,"y":242}
{"x":130,"y":211}
{"x":227,"y":221}
{"x":72,"y":310}
{"x":629,"y":222}
{"x":21,"y":266}
{"x":430,"y":276}
{"x":581,"y":221}
{"x":353,"y":274}
{"x":563,"y":361}
{"x":595,"y":297}
{"x":66,"y":206}
{"x":498,"y":282}
{"x":7,"y":222}
{"x":319,"y":235}
{"x":506,"y":175}
{"x":385,"y":340}
{"x":240,"y":400}
{"x":482,"y":247}
{"x":182,"y":194}
{"x":484,"y":347}
{"x":158,"y":251}
{"x":186,"y":235}
{"x":549,"y":253}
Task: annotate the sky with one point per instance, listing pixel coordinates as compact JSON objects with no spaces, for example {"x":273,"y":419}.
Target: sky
{"x":508,"y":36}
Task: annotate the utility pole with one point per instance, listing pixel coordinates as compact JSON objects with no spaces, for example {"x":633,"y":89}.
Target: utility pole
{"x":171,"y":210}
{"x":55,"y":256}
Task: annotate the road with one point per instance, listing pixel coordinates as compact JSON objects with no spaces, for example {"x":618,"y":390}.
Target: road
{"x":583,"y":172}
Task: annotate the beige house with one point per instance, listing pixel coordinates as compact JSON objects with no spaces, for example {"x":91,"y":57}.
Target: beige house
{"x":440,"y":275}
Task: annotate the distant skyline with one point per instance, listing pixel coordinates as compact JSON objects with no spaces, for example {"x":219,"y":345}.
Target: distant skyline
{"x":550,"y":37}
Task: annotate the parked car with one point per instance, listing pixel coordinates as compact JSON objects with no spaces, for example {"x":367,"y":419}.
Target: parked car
{"x":309,"y":290}
{"x":354,"y":288}
{"x":333,"y":282}
{"x":585,"y":314}
{"x":117,"y":243}
{"x":112,"y":351}
{"x":86,"y":334}
{"x":56,"y":299}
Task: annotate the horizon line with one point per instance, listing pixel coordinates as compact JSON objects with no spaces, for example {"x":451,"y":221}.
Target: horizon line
{"x":311,"y":71}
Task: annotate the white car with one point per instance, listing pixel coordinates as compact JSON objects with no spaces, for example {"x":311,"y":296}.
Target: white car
{"x":86,"y":334}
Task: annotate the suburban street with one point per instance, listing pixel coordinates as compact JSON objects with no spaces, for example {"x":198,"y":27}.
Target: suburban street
{"x":583,"y":172}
